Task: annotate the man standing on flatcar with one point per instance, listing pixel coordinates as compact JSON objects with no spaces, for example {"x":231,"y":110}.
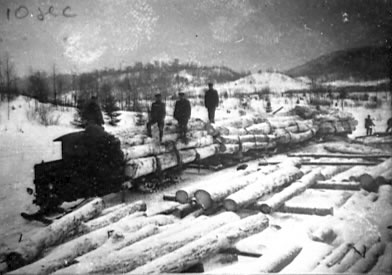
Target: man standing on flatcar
{"x":92,"y":113}
{"x":211,"y":101}
{"x":182,"y":113}
{"x":157,"y":115}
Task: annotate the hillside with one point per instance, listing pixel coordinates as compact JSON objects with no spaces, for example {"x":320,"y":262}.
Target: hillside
{"x":366,"y":63}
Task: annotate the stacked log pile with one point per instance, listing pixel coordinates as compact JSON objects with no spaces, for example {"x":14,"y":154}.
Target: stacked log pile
{"x":145,"y":155}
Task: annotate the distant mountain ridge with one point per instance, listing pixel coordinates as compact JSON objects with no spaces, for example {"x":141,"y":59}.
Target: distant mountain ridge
{"x":358,"y":64}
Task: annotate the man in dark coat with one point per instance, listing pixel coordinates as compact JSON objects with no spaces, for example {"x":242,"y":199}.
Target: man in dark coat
{"x":389,"y":125}
{"x":157,"y":115}
{"x":369,"y":125}
{"x":92,"y":113}
{"x":211,"y":101}
{"x":182,"y":113}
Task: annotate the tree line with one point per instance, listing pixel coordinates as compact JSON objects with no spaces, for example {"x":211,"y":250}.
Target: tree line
{"x":127,"y":86}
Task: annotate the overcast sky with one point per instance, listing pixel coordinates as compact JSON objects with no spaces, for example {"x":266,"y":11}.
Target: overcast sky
{"x":83,"y":35}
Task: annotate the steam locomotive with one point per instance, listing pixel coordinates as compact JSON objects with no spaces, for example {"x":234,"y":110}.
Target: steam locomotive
{"x":92,"y":164}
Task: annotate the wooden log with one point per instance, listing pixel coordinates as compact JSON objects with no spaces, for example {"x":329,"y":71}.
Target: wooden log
{"x":368,"y":179}
{"x":384,"y":264}
{"x":331,"y":171}
{"x":364,"y":264}
{"x":184,"y":209}
{"x":337,"y":185}
{"x":110,"y":209}
{"x":246,"y":146}
{"x":286,"y":137}
{"x":277,"y":200}
{"x":119,"y":240}
{"x":114,"y":216}
{"x":143,"y":166}
{"x":67,"y":252}
{"x":357,"y":251}
{"x":334,"y":257}
{"x":196,"y":251}
{"x":264,"y":128}
{"x":337,"y":155}
{"x":151,"y":248}
{"x":53,"y":234}
{"x":384,"y":178}
{"x":352,"y":149}
{"x":185,"y":195}
{"x":250,"y":193}
{"x":207,"y":196}
{"x":307,"y":260}
{"x":235,"y":139}
{"x":320,"y":211}
{"x":272,"y":261}
{"x":152,"y":149}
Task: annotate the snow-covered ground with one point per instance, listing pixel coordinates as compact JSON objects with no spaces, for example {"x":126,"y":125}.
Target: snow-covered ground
{"x":24,"y":142}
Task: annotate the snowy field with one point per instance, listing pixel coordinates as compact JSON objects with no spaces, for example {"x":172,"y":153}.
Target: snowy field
{"x":24,"y":142}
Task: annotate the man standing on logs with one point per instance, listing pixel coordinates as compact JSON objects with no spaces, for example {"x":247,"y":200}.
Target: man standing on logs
{"x":211,"y":101}
{"x":157,"y":115}
{"x":92,"y":113}
{"x":182,"y":113}
{"x":369,"y":125}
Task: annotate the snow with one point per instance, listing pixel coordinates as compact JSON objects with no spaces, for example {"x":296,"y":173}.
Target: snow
{"x":347,"y":83}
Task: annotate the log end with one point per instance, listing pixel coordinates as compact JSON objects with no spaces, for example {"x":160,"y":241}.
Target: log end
{"x":182,"y":196}
{"x":230,"y":205}
{"x":264,"y":208}
{"x":14,"y":261}
{"x":368,"y":183}
{"x":203,"y":198}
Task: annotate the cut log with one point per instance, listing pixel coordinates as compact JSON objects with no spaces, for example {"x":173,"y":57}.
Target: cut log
{"x":384,"y":264}
{"x":114,"y":216}
{"x":246,"y":146}
{"x":330,"y":155}
{"x":152,"y":149}
{"x":53,"y":234}
{"x":196,"y":251}
{"x":384,"y":178}
{"x":277,"y":200}
{"x":353,"y":149}
{"x":119,"y":240}
{"x":66,"y":253}
{"x":130,"y":257}
{"x":250,"y":193}
{"x":358,"y":250}
{"x":143,"y":166}
{"x":310,"y":256}
{"x":235,"y":139}
{"x":259,"y":129}
{"x":185,"y":209}
{"x":364,"y":264}
{"x":287,"y":137}
{"x":110,"y":209}
{"x":320,"y":211}
{"x":185,"y":195}
{"x":334,"y":257}
{"x":340,"y":185}
{"x":368,"y":179}
{"x":207,"y":196}
{"x":274,"y":260}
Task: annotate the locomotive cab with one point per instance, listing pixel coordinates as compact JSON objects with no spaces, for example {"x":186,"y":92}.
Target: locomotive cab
{"x":92,"y":164}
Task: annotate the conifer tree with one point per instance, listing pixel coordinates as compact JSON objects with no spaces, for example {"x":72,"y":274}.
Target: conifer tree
{"x":111,"y":110}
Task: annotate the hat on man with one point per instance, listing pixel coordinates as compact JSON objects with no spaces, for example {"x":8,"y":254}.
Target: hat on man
{"x":181,"y":93}
{"x":158,"y":95}
{"x":210,"y":84}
